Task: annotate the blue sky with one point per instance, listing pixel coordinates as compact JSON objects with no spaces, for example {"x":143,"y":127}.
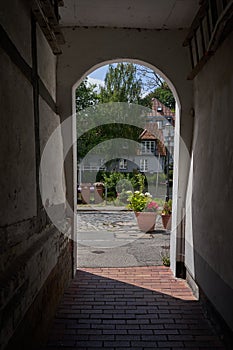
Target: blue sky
{"x":97,"y":77}
{"x":99,"y":73}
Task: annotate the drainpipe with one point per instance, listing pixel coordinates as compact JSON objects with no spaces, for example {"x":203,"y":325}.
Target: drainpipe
{"x":180,"y":264}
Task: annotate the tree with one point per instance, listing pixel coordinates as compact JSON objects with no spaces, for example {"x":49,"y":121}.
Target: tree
{"x":156,"y":87}
{"x":151,"y":78}
{"x":163,"y":94}
{"x":86,"y":95}
{"x":121,"y":84}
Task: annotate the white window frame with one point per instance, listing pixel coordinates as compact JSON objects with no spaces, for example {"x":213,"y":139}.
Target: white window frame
{"x":148,"y":147}
{"x":144,"y":165}
{"x":123,"y":164}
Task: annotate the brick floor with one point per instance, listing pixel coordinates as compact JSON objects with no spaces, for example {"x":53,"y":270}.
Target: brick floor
{"x":130,"y":308}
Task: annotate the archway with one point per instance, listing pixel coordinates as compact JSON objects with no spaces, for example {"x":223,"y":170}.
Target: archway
{"x":171,"y":62}
{"x":96,"y":122}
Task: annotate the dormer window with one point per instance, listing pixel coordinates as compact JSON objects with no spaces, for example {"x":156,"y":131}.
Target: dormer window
{"x":148,"y":147}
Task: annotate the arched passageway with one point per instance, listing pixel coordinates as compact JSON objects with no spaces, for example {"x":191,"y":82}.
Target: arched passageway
{"x":128,"y":115}
{"x":36,"y":90}
{"x":167,"y":61}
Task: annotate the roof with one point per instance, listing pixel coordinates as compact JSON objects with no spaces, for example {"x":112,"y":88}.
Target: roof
{"x":160,"y":109}
{"x":151,"y":132}
{"x":147,"y":135}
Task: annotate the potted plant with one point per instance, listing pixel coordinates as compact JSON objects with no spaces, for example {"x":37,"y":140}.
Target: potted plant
{"x":166,"y":214}
{"x":144,"y":208}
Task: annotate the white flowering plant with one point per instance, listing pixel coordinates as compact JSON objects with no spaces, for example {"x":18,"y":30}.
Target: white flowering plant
{"x":139,"y":201}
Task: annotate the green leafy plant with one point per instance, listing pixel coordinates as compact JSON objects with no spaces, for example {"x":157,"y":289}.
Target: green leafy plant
{"x":139,"y":201}
{"x":165,"y":255}
{"x":166,"y":260}
{"x":167,"y":208}
{"x":110,"y":181}
{"x":122,"y":197}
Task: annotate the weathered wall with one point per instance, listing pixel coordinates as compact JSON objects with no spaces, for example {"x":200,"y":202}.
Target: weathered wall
{"x":33,"y":252}
{"x":210,"y":256}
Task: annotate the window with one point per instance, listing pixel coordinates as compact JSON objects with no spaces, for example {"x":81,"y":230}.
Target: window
{"x":143,"y":165}
{"x":147,"y":147}
{"x":123,"y":164}
{"x":160,"y":124}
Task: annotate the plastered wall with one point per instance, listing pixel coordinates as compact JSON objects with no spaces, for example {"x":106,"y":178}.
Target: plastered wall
{"x":209,"y":244}
{"x":33,"y":252}
{"x":18,"y":193}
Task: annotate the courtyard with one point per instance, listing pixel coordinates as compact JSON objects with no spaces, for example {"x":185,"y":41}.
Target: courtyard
{"x":109,"y":237}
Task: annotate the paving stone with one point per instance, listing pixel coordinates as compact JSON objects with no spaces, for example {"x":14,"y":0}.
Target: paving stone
{"x":127,"y":329}
{"x":113,"y":239}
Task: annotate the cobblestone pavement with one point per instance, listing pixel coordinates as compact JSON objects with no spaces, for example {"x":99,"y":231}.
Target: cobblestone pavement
{"x":111,"y":238}
{"x":136,"y":308}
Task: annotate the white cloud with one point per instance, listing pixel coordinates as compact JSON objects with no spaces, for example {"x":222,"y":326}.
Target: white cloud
{"x":97,"y":82}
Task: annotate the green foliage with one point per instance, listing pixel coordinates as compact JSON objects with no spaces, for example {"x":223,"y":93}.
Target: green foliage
{"x":103,"y":133}
{"x":165,"y":255}
{"x":152,"y":178}
{"x":139,"y":202}
{"x":163,"y":94}
{"x":121,"y":84}
{"x":160,"y":201}
{"x":166,"y":260}
{"x":167,"y":207}
{"x":85,"y":95}
{"x":122,"y":197}
{"x":110,"y":181}
{"x":117,"y":182}
{"x":124,"y":184}
{"x":140,"y":180}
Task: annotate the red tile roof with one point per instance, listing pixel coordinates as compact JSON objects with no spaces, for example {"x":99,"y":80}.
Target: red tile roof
{"x":152,"y":132}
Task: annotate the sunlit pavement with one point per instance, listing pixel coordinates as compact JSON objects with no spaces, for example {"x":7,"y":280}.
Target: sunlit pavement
{"x":111,"y":238}
{"x":129,"y":304}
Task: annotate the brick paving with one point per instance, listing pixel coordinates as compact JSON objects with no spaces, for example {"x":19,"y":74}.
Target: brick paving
{"x":130,"y":308}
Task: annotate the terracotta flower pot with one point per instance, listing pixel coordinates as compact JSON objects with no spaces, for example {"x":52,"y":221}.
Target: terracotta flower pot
{"x":146,"y":220}
{"x":167,"y":220}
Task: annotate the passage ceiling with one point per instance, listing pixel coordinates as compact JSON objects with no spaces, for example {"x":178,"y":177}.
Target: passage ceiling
{"x":148,"y":14}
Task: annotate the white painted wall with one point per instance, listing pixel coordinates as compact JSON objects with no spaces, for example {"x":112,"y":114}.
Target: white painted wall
{"x":46,"y":63}
{"x":212,"y":193}
{"x":18,"y":193}
{"x":30,"y":247}
{"x":189,"y":248}
{"x":52,"y":186}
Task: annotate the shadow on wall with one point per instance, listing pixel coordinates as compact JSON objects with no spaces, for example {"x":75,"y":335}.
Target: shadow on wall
{"x":214,"y":293}
{"x":210,"y":252}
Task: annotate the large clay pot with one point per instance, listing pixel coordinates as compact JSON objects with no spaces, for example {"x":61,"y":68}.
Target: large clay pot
{"x":146,"y":220}
{"x":167,"y":220}
{"x":85,"y":193}
{"x":99,"y":189}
